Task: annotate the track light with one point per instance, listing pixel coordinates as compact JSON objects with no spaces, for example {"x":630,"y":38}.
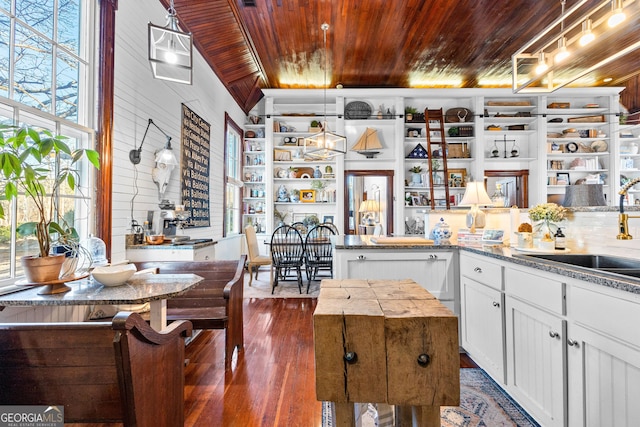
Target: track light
{"x":587,"y":33}
{"x":617,"y":14}
{"x":562,"y":53}
{"x":542,"y":64}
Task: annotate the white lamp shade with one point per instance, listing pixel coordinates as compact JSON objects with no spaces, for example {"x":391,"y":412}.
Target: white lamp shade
{"x":475,"y":194}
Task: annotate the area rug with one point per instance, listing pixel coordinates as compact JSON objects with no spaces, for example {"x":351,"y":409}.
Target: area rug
{"x":261,"y":288}
{"x":482,"y":404}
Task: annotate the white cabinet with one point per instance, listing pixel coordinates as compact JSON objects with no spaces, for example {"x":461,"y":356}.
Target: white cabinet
{"x":482,"y":326}
{"x":171,"y":253}
{"x":434,"y":270}
{"x":603,"y":357}
{"x":482,"y":318}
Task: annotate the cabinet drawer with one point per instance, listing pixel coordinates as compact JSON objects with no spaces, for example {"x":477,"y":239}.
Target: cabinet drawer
{"x":481,"y":270}
{"x":616,"y":317}
{"x":536,"y":288}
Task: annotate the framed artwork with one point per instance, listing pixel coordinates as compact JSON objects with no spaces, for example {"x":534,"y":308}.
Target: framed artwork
{"x":310,"y":143}
{"x":327,"y":219}
{"x":281,"y":155}
{"x":562,"y":178}
{"x":415,"y":200}
{"x":457,"y":177}
{"x":307,"y":196}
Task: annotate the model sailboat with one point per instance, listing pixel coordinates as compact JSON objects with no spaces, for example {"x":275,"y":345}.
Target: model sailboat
{"x":368,"y":144}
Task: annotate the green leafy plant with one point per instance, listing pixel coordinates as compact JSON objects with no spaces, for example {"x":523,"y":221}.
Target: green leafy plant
{"x":410,"y":110}
{"x":27,"y":167}
{"x":280,"y":216}
{"x":416,"y":169}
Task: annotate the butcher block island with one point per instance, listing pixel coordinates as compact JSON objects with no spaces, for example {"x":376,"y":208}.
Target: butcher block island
{"x":385,"y":341}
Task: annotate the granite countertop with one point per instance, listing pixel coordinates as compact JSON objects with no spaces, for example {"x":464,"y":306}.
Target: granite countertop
{"x":505,"y":253}
{"x":137,"y":290}
{"x":180,"y":246}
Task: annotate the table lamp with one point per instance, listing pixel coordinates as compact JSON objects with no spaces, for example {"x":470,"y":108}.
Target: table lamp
{"x":474,"y":196}
{"x":369,"y":207}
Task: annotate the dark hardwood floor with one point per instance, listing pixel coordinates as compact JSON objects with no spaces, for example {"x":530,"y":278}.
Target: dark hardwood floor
{"x":272,"y":381}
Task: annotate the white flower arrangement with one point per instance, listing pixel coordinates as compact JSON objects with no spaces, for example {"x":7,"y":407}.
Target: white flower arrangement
{"x":549,"y":212}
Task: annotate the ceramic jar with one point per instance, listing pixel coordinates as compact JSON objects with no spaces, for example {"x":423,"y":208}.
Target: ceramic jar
{"x":441,"y":232}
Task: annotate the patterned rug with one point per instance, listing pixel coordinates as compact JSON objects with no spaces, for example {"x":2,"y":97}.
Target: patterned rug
{"x":482,"y":404}
{"x":261,"y":288}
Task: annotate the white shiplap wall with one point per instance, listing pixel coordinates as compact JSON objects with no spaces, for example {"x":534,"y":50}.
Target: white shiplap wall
{"x":139,"y":97}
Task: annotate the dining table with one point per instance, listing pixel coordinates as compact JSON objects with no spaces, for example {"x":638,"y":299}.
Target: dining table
{"x":155,"y":289}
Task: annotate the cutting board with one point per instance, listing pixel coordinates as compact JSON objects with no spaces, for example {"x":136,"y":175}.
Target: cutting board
{"x":401,"y":240}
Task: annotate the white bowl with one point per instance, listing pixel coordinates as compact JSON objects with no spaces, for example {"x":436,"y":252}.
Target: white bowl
{"x":114,"y":275}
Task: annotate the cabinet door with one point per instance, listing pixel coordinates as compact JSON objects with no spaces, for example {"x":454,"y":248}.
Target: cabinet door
{"x":482,"y":326}
{"x":433,"y":270}
{"x":205,"y":254}
{"x":604,"y":380}
{"x":535,"y":361}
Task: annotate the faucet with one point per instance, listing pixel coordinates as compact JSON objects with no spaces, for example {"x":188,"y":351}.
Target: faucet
{"x":623,"y":225}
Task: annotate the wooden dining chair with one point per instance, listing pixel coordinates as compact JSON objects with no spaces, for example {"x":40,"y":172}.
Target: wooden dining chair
{"x":255,"y":259}
{"x":287,"y":253}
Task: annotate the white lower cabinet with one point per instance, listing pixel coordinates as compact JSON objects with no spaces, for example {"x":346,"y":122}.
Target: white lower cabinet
{"x":535,"y":361}
{"x":482,"y":326}
{"x":434,"y":270}
{"x":169,"y":253}
{"x":603,"y":358}
{"x":572,"y":347}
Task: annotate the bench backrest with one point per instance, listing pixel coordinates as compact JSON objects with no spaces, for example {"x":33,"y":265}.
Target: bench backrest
{"x":219,"y":277}
{"x":100,"y":371}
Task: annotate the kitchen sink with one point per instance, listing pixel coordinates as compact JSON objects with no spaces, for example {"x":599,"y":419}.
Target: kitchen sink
{"x":607,"y":263}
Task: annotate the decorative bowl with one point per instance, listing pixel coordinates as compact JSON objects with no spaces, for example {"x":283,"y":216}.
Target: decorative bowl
{"x":156,"y":239}
{"x":113,"y":275}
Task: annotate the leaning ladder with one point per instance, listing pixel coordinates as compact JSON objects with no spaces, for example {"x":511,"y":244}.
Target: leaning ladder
{"x":439,"y":177}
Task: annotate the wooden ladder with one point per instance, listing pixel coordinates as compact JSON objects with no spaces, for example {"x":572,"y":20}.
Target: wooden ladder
{"x":440,"y":143}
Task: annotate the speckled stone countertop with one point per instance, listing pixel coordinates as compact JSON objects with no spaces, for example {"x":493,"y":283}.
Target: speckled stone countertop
{"x":186,"y":247}
{"x":504,"y":253}
{"x":137,"y":290}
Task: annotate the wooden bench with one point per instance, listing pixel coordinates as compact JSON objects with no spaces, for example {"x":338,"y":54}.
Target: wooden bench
{"x":119,"y":371}
{"x":215,"y":303}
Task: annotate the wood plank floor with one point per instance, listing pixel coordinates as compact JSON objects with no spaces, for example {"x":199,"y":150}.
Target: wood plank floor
{"x":272,"y":381}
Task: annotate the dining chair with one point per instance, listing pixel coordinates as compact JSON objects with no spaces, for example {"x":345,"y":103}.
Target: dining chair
{"x":318,"y":252}
{"x":287,"y":253}
{"x":302,"y":229}
{"x":255,"y":259}
{"x":332,"y":226}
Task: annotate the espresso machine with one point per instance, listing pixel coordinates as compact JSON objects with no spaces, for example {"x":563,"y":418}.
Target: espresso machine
{"x":173,"y":218}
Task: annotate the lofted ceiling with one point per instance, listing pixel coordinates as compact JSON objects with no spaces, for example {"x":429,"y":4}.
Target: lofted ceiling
{"x":256,"y":44}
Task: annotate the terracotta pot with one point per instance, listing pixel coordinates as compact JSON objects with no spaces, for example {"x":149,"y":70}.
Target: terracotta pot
{"x":42,"y":270}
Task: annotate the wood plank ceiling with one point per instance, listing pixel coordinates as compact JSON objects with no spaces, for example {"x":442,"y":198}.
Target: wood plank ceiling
{"x":255,"y":44}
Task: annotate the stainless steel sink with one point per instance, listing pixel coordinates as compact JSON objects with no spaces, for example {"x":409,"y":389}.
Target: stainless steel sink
{"x":607,"y":263}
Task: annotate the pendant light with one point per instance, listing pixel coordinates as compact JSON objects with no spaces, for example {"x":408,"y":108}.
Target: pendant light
{"x":324,"y":144}
{"x":587,"y":33}
{"x":170,"y":50}
{"x":617,"y":14}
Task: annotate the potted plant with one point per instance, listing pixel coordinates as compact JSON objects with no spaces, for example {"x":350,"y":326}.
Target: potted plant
{"x":409,"y":112}
{"x":27,"y":167}
{"x":416,"y":178}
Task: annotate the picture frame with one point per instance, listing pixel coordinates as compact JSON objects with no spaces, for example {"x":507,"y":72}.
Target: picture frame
{"x":308,"y":196}
{"x":457,"y":177}
{"x":562,"y":178}
{"x":327,"y":219}
{"x":415,"y":200}
{"x":281,"y":155}
{"x":311,"y":143}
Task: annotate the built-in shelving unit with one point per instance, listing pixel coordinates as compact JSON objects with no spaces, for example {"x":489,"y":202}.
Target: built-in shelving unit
{"x":524,"y":131}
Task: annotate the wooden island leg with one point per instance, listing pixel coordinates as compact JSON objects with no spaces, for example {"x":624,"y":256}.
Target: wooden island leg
{"x":420,"y":416}
{"x":345,"y":415}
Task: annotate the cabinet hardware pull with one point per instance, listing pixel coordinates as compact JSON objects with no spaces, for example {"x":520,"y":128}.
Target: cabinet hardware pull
{"x":554,"y":334}
{"x":477,"y":270}
{"x":423,"y":359}
{"x":351,"y":357}
{"x":432,"y":256}
{"x":361,"y":257}
{"x":573,"y":343}
{"x":496,"y":304}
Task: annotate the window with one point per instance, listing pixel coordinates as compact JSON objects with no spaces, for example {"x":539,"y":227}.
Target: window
{"x":233,"y":180}
{"x":44,"y":82}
